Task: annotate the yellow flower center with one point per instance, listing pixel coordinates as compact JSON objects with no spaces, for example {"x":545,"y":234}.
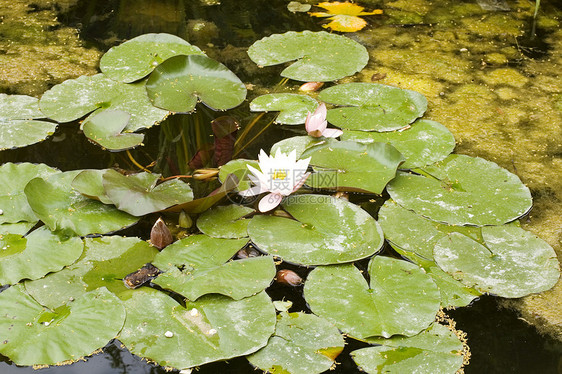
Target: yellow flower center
{"x":280,"y":174}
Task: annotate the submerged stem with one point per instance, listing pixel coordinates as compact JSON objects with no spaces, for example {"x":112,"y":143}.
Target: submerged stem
{"x":136,"y":163}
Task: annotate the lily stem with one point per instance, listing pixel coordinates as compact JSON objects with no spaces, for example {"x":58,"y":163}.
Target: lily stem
{"x":136,"y":163}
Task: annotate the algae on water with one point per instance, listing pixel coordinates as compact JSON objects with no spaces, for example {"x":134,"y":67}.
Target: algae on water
{"x":37,"y":51}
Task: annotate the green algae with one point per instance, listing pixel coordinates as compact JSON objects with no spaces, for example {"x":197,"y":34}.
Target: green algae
{"x":38,"y":51}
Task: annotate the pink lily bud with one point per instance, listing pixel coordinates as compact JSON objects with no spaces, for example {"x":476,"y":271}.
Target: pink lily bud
{"x":311,"y":86}
{"x":316,"y":122}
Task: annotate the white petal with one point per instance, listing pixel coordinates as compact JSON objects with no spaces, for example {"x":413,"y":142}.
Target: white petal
{"x":269,"y":202}
{"x":263,"y":179}
{"x":302,"y":164}
{"x":332,"y":133}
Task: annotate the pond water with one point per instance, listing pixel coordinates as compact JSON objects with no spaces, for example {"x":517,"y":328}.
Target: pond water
{"x":490,"y":73}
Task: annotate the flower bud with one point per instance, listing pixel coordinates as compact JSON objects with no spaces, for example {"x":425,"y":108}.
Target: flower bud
{"x":160,"y":235}
{"x":247,"y":253}
{"x":185,"y":220}
{"x":311,"y":86}
{"x":202,"y":174}
{"x":289,"y":278}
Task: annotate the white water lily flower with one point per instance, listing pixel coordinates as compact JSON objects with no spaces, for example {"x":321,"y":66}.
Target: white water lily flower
{"x":317,"y":126}
{"x":280,"y":175}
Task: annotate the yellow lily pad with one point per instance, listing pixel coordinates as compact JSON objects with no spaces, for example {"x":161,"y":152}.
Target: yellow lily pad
{"x":344,"y":16}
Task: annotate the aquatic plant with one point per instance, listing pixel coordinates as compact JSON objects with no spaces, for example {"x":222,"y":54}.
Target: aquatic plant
{"x":344,"y":16}
{"x":450,"y":221}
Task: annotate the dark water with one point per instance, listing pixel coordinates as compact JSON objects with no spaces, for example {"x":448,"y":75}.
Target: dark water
{"x":500,"y":342}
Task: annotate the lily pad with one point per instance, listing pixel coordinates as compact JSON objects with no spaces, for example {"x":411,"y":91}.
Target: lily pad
{"x":17,"y":125}
{"x":454,"y":294}
{"x":344,"y":16}
{"x":436,"y":350}
{"x":240,"y":170}
{"x":90,"y":184}
{"x":372,"y":106}
{"x":297,"y":143}
{"x":105,"y":129}
{"x":197,"y":265}
{"x":225,"y":221}
{"x":321,"y":56}
{"x":302,"y":344}
{"x":138,"y":194}
{"x":13,"y":179}
{"x":61,"y":207}
{"x":293,"y":108}
{"x":352,"y":166}
{"x":426,"y":142}
{"x":36,"y":254}
{"x":34,"y":335}
{"x":205,"y":203}
{"x":326,"y":230}
{"x":20,"y":228}
{"x":98,"y":93}
{"x":512,"y":263}
{"x":105,"y":262}
{"x":416,"y":235}
{"x":401,"y":299}
{"x":463,"y":190}
{"x":214,"y":327}
{"x":180,"y":82}
{"x":138,"y":57}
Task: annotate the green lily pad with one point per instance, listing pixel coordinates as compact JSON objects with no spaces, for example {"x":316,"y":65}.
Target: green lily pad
{"x":401,"y":299}
{"x":436,"y":350}
{"x":352,"y":166}
{"x":416,"y":235}
{"x":512,"y":263}
{"x":180,"y":82}
{"x":297,"y":143}
{"x":240,"y":170}
{"x":19,"y":107}
{"x":426,"y":142}
{"x":20,"y":228}
{"x":36,"y":254}
{"x":235,"y":279}
{"x":454,"y":294}
{"x":225,"y":221}
{"x":34,"y":335}
{"x":205,"y":203}
{"x":138,"y":194}
{"x":105,"y":129}
{"x":98,"y":93}
{"x":321,"y":56}
{"x":13,"y":179}
{"x":463,"y":190}
{"x":61,"y":207}
{"x":326,"y":230}
{"x":105,"y":262}
{"x":138,"y":57}
{"x":293,"y":108}
{"x":372,"y":107}
{"x":214,"y":327}
{"x":197,"y":265}
{"x":90,"y":184}
{"x":17,"y":125}
{"x":302,"y":344}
